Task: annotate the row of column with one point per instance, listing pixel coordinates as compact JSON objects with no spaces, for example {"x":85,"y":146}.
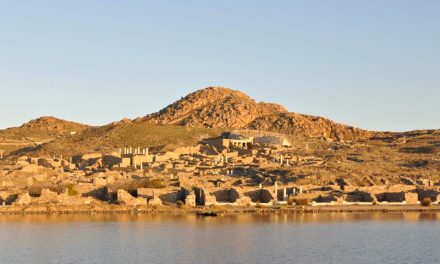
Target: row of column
{"x":134,"y":151}
{"x":282,"y":160}
{"x":284,"y":191}
{"x":141,"y":165}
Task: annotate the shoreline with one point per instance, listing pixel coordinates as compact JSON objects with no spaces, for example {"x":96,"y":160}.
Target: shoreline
{"x":221,"y":210}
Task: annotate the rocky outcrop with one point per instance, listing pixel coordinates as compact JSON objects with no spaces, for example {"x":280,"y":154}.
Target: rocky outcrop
{"x":218,"y":107}
{"x":214,"y":107}
{"x":50,"y":123}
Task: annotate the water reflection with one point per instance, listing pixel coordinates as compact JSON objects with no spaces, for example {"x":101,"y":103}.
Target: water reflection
{"x":271,"y":238}
{"x":239,"y":219}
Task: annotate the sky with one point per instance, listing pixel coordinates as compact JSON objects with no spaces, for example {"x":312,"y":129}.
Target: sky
{"x":372,"y":64}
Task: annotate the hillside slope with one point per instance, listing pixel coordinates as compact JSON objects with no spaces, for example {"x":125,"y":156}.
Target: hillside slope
{"x":218,"y":107}
{"x":36,"y":132}
{"x":43,"y":128}
{"x":116,"y":135}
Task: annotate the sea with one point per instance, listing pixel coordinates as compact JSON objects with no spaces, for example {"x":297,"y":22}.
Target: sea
{"x":245,"y":238}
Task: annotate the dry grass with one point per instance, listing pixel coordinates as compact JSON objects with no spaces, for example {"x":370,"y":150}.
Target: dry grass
{"x":111,"y":137}
{"x":133,"y":185}
{"x":36,"y":189}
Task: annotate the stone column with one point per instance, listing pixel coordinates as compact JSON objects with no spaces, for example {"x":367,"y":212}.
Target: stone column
{"x":284,"y":194}
{"x":300,"y":189}
{"x":276,"y":191}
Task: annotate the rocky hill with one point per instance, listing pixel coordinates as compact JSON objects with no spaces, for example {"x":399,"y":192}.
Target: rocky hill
{"x":36,"y":132}
{"x":43,"y":128}
{"x":214,"y":107}
{"x":56,"y":125}
{"x":204,"y":113}
{"x":218,"y":107}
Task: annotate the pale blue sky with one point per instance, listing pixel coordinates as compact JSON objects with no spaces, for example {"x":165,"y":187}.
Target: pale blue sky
{"x":371,"y":64}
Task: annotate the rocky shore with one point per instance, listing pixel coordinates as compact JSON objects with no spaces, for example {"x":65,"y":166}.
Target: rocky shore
{"x":223,"y":210}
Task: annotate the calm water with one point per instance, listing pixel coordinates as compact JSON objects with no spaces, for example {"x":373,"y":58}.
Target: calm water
{"x":322,"y":238}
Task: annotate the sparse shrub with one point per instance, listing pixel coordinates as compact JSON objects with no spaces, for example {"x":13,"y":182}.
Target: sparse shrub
{"x":426,"y":201}
{"x":71,"y":191}
{"x":154,"y":183}
{"x":303,"y":201}
{"x":36,"y":189}
{"x":57,"y":188}
{"x":131,"y":186}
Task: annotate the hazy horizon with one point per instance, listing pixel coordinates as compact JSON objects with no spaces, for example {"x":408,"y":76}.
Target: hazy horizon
{"x":373,"y":65}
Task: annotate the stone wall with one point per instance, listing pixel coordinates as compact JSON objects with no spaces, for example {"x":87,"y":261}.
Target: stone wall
{"x":123,"y":197}
{"x":411,"y":198}
{"x":226,"y":196}
{"x":391,"y":197}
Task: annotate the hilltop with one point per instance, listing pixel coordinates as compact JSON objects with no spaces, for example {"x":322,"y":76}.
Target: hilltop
{"x":214,"y":107}
{"x":219,"y":107}
{"x":42,"y":128}
{"x":38,"y":131}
